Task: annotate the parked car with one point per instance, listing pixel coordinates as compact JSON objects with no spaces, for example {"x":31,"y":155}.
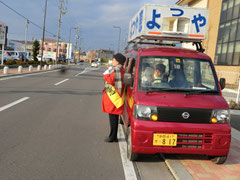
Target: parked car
{"x":6,"y":56}
{"x":19,"y":55}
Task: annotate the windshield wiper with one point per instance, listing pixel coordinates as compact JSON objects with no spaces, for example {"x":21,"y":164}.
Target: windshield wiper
{"x":202,"y":92}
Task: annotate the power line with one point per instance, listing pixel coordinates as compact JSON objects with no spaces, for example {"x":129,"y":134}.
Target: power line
{"x":25,"y":18}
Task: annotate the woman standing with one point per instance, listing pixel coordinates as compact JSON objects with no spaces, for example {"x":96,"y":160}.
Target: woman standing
{"x":112,"y":99}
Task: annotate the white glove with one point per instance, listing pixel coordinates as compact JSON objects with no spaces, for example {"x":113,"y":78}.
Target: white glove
{"x":106,"y":72}
{"x":110,"y":68}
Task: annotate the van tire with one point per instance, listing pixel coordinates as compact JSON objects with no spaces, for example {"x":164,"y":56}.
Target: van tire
{"x":218,"y":159}
{"x":130,"y":154}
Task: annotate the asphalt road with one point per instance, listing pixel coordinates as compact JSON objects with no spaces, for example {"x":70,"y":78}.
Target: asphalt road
{"x":57,"y":130}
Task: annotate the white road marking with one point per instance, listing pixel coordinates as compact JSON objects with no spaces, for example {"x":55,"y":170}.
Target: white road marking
{"x":19,"y":76}
{"x":87,"y":70}
{"x":61,"y":82}
{"x":13,"y":103}
{"x":81,"y":72}
{"x":128,"y":167}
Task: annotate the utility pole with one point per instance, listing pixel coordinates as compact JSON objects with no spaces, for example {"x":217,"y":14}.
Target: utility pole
{"x":80,"y":44}
{"x":118,"y":36}
{"x":43,"y":35}
{"x":26,"y":34}
{"x":61,"y":11}
{"x":75,"y":46}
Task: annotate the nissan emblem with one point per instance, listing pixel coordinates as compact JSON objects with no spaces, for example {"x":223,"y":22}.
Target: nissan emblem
{"x":185,"y":115}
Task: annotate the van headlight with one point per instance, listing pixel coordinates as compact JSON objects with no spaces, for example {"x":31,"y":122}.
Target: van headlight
{"x":145,"y":112}
{"x":220,"y":116}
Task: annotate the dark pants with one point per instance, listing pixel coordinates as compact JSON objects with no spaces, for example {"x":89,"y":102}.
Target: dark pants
{"x":113,"y":118}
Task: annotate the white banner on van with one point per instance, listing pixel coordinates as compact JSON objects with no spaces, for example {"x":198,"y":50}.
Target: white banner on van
{"x":169,"y":22}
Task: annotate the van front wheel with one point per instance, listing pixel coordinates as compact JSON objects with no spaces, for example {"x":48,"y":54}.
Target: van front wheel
{"x":218,"y":159}
{"x":131,"y":155}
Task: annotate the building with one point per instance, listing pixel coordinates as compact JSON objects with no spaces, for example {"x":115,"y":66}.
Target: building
{"x":97,"y":54}
{"x":223,"y":37}
{"x":20,"y":45}
{"x":50,"y":47}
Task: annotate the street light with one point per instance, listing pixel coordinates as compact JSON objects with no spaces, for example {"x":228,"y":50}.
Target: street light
{"x":119,"y":36}
{"x":69,"y":53}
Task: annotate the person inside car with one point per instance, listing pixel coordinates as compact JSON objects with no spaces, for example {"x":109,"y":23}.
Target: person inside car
{"x":159,"y":77}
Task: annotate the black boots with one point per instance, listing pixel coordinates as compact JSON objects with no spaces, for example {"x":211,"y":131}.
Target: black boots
{"x":107,"y":139}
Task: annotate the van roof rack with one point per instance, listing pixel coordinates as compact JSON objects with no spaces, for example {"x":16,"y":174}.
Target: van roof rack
{"x":159,"y":42}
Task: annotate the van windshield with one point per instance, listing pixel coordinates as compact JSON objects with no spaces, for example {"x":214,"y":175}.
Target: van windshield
{"x":176,"y":74}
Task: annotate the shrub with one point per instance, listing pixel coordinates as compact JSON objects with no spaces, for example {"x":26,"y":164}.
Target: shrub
{"x":104,"y":60}
{"x":33,"y":62}
{"x":10,"y":62}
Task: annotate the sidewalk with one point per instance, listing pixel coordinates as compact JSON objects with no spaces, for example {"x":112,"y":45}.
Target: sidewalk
{"x":203,"y":169}
{"x":199,"y":167}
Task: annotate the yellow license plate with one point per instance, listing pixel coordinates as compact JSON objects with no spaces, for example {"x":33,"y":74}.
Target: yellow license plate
{"x":165,"y":139}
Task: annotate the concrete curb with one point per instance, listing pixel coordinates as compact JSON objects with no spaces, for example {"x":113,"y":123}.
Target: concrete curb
{"x":19,"y":74}
{"x":177,"y":169}
{"x":235,"y":112}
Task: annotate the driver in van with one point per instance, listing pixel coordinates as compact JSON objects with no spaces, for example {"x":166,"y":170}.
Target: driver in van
{"x":159,"y":74}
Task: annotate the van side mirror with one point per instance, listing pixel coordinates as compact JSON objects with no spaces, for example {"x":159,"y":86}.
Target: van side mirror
{"x":222,"y":83}
{"x":128,"y":80}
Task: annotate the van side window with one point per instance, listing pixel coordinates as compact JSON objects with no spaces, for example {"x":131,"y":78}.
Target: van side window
{"x":126,"y":64}
{"x":131,"y":67}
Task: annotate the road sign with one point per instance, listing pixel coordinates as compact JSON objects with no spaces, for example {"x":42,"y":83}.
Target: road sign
{"x":2,"y":33}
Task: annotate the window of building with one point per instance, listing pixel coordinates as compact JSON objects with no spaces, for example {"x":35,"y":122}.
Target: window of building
{"x":49,"y":49}
{"x":54,"y":50}
{"x":230,"y":10}
{"x":236,"y":9}
{"x":233,"y":30}
{"x":238,"y":30}
{"x":228,"y":41}
{"x":230,"y":53}
{"x":236,"y":59}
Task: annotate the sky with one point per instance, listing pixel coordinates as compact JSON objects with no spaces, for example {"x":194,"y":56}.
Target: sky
{"x":96,"y":19}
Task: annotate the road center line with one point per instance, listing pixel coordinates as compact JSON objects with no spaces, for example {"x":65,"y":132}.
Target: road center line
{"x":13,"y":103}
{"x":128,"y":167}
{"x":61,"y":82}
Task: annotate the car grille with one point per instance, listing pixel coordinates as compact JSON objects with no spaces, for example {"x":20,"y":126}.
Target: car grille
{"x":187,"y":140}
{"x":169,"y":114}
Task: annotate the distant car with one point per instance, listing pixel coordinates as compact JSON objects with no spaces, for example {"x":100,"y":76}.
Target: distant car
{"x":6,"y":56}
{"x":19,"y":55}
{"x":94,"y":64}
{"x":61,"y":59}
{"x":70,"y":60}
{"x":48,"y":60}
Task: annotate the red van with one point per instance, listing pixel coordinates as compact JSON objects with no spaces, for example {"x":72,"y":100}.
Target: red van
{"x":174,"y":104}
